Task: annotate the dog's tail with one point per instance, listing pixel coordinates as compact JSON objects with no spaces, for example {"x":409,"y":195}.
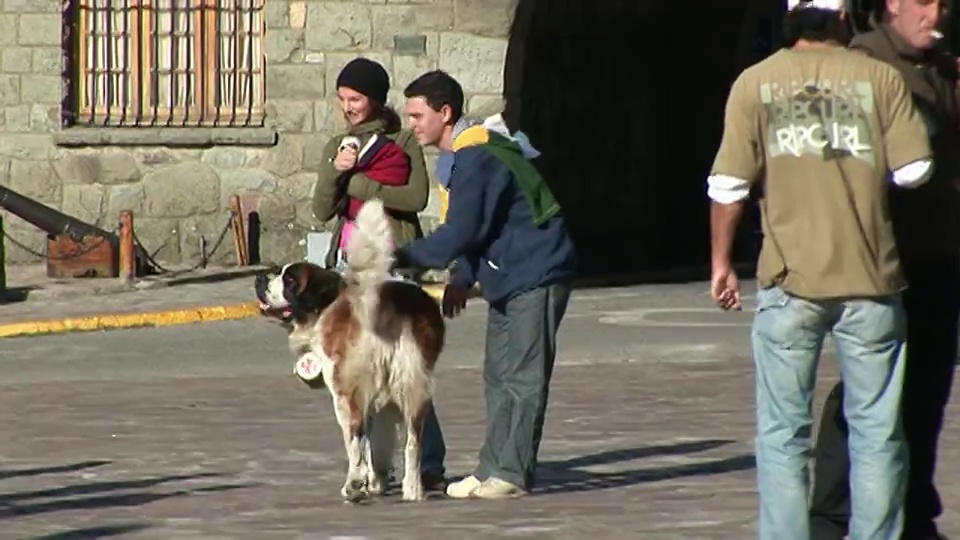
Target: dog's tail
{"x":369,"y":257}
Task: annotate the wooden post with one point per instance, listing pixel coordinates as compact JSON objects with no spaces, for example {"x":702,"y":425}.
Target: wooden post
{"x":239,"y":238}
{"x":128,"y":259}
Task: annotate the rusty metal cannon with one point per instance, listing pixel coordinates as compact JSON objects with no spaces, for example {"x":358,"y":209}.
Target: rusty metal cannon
{"x":74,"y":248}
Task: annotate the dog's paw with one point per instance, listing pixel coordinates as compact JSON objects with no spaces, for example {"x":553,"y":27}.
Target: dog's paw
{"x":354,"y":490}
{"x":413,"y":491}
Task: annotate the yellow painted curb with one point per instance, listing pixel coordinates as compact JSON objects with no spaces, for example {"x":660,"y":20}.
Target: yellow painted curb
{"x":159,"y":318}
{"x":132,"y":320}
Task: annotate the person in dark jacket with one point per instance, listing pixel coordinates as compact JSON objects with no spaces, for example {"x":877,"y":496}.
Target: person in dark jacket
{"x":927,"y":232}
{"x":362,"y":87}
{"x":505,"y":231}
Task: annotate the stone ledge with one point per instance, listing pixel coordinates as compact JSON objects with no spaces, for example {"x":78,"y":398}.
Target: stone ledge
{"x":169,"y":137}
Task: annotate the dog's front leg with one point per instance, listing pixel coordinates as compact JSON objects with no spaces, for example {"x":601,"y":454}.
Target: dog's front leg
{"x":350,"y":418}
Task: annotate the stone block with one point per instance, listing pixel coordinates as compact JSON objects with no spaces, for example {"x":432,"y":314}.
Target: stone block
{"x":45,"y":118}
{"x":181,"y":190}
{"x":26,"y":234}
{"x":117,"y":167}
{"x":484,"y":105}
{"x":489,"y":18}
{"x":312,"y":155}
{"x":284,"y":159}
{"x":40,"y":28}
{"x":336,"y":61}
{"x":160,"y":236}
{"x":477,"y":62}
{"x":290,"y":116}
{"x":296,"y":82}
{"x":338,"y":26}
{"x":35,"y":118}
{"x":16,"y":60}
{"x":328,"y":117}
{"x":210,"y":227}
{"x":33,"y":6}
{"x":300,"y":185}
{"x":280,"y":44}
{"x":9,"y":89}
{"x":225,"y":158}
{"x":17,"y":118}
{"x":282,"y":244}
{"x":47,"y":60}
{"x":297,"y":13}
{"x":88,"y":203}
{"x":245,"y":181}
{"x":29,"y":146}
{"x":397,"y":20}
{"x":278,"y":209}
{"x":275,"y":14}
{"x":285,"y":205}
{"x":412,"y":45}
{"x":8,"y":29}
{"x":408,"y":68}
{"x":147,"y":157}
{"x":77,"y":169}
{"x":125,"y":197}
{"x":46,"y":89}
{"x":35,"y":179}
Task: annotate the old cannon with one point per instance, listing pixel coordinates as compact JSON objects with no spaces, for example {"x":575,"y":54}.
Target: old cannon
{"x":74,"y":248}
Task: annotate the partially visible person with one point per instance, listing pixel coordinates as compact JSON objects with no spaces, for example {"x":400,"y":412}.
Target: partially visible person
{"x":821,"y":128}
{"x":926,"y":222}
{"x":504,"y":230}
{"x":375,"y":158}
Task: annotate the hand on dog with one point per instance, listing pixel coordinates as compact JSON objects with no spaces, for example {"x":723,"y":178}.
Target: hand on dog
{"x":454,"y":300}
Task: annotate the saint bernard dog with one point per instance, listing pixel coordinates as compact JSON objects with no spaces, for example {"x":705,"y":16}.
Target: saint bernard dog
{"x":373,"y":341}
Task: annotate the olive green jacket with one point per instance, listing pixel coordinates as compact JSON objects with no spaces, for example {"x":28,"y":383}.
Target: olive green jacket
{"x":403,"y":203}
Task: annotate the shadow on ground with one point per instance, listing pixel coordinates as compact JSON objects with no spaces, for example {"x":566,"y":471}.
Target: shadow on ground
{"x":93,"y":533}
{"x":569,"y":475}
{"x":56,"y":469}
{"x":96,"y":495}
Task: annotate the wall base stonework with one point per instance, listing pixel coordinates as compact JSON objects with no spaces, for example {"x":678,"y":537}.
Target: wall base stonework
{"x":177,"y":180}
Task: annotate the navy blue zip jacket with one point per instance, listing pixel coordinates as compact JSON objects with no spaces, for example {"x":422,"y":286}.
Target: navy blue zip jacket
{"x":490,"y":231}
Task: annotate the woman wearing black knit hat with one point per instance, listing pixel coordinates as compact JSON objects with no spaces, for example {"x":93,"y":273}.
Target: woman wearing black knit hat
{"x":362,"y":87}
{"x":375,"y":158}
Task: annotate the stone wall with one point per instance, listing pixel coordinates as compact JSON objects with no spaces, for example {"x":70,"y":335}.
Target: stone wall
{"x":177,"y":180}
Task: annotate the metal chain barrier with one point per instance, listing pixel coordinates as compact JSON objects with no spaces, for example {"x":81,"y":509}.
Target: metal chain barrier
{"x":80,"y":251}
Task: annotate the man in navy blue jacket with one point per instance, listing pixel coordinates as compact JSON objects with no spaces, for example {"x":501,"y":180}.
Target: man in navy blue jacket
{"x":505,"y":231}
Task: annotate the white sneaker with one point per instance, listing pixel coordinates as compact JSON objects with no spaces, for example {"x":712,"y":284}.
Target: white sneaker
{"x":495,"y":488}
{"x":464,"y":488}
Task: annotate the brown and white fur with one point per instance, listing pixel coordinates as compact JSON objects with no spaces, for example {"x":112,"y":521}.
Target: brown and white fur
{"x":377,"y":340}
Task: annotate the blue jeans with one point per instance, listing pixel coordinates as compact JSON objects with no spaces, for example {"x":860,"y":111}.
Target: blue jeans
{"x":869,"y":336}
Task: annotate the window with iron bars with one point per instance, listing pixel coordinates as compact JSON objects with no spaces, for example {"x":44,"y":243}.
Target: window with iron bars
{"x":168,"y":63}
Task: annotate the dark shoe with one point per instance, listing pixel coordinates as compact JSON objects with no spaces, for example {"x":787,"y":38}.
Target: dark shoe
{"x":433,"y":482}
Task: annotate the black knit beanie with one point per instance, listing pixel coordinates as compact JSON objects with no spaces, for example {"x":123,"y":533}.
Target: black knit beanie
{"x":367,"y":77}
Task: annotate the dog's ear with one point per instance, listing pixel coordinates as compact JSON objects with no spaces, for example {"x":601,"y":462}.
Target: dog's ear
{"x":310,"y":288}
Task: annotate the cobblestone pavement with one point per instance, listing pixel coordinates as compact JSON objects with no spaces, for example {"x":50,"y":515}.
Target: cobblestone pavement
{"x":105,"y":437}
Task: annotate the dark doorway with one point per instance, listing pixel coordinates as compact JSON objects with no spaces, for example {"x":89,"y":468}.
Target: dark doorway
{"x":625,"y":99}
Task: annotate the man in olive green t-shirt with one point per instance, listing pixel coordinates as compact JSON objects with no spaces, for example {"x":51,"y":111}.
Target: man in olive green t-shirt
{"x":822,"y":128}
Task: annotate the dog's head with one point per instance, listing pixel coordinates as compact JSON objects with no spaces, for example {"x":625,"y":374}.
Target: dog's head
{"x":298,"y":292}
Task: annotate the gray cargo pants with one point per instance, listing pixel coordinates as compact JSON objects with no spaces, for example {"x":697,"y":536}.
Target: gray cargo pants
{"x":520,"y":351}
